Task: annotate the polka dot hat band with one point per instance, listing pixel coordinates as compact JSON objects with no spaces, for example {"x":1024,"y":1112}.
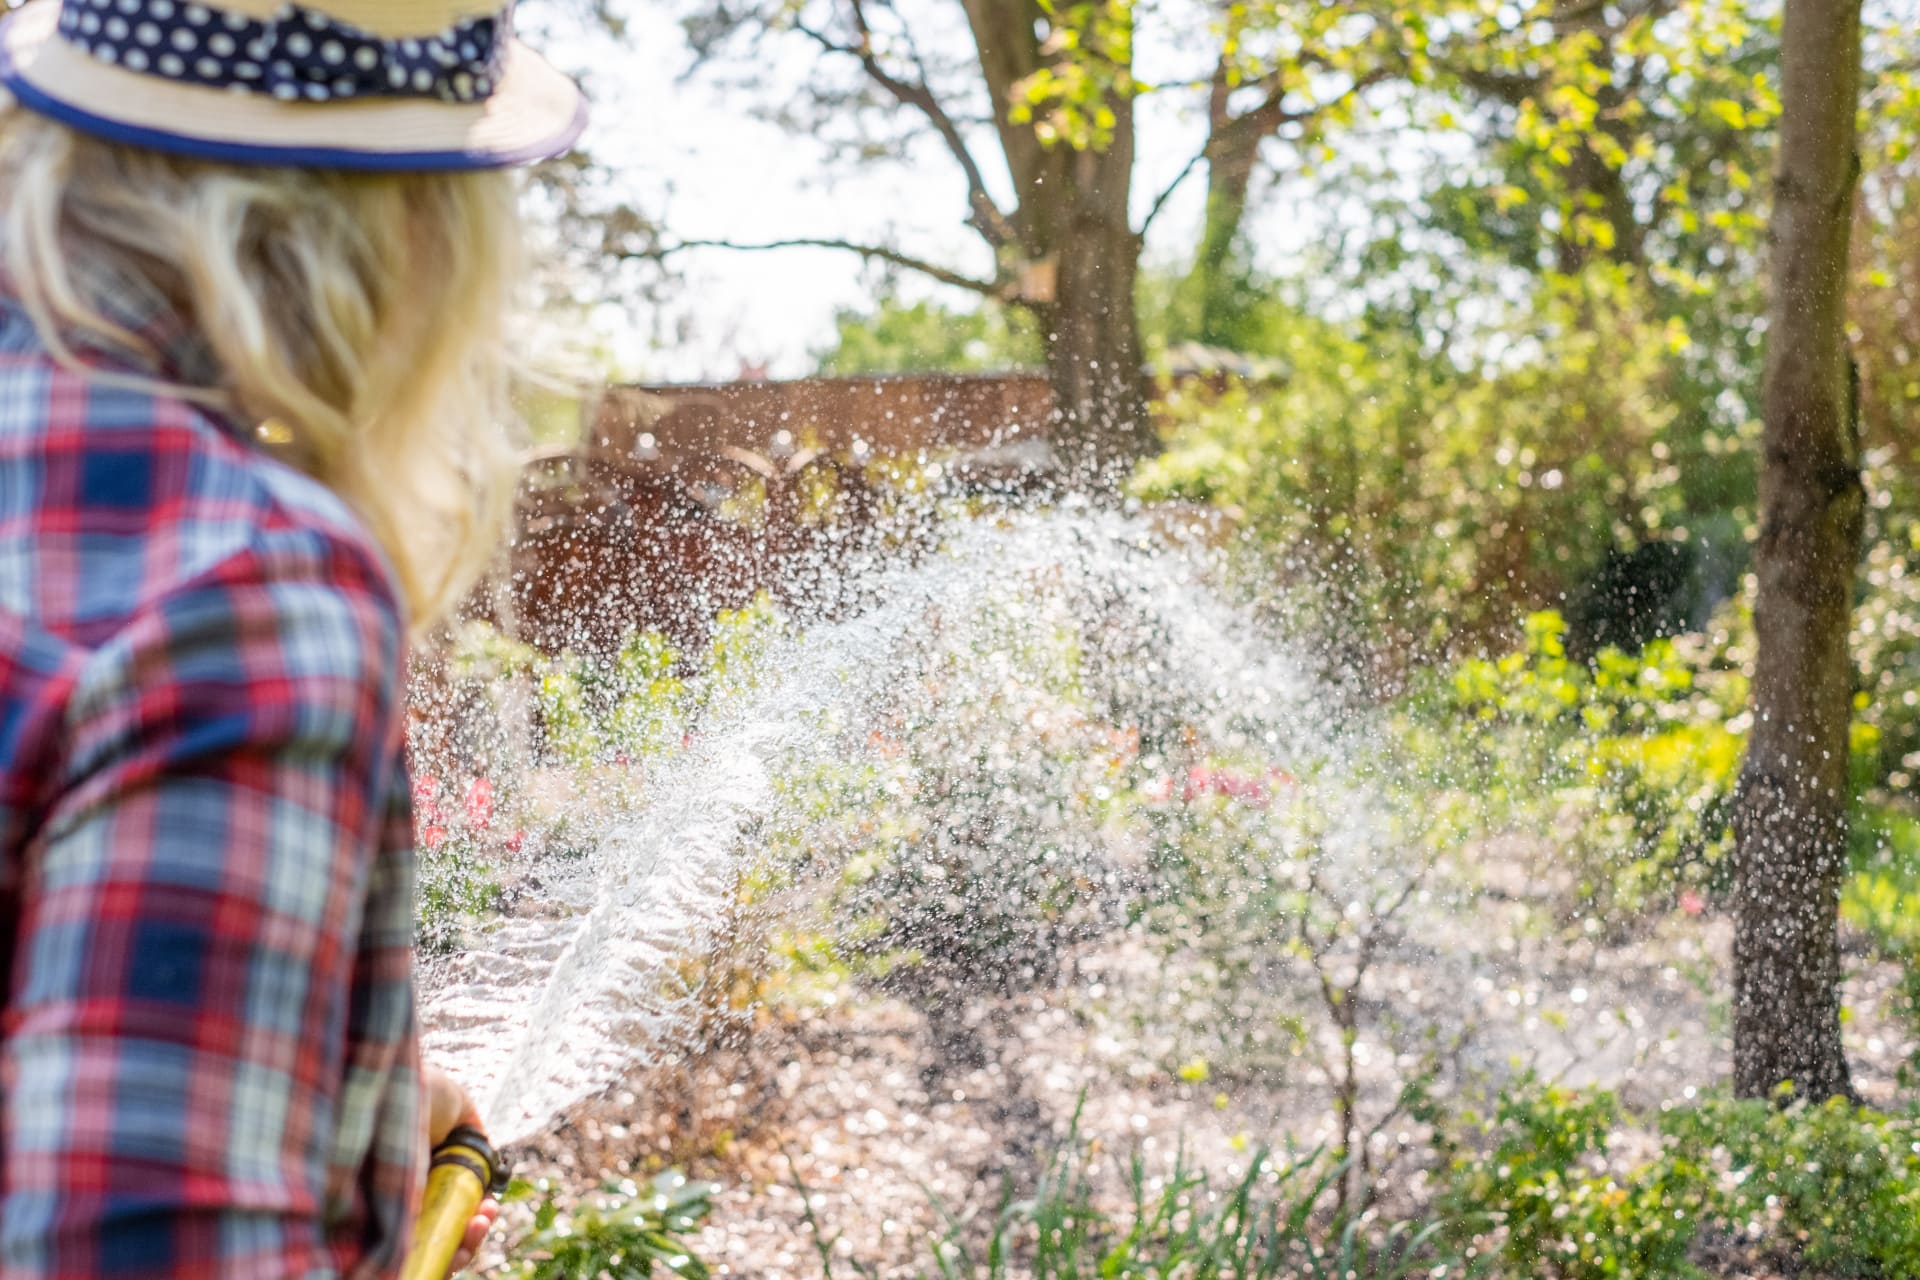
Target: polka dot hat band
{"x":356,"y":84}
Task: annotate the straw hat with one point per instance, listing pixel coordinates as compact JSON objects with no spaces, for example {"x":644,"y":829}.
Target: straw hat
{"x":349,"y":84}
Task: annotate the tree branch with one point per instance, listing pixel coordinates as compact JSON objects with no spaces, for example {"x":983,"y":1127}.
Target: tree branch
{"x":1509,"y":89}
{"x":1159,"y":201}
{"x":872,"y":252}
{"x":1267,"y":119}
{"x":985,"y":216}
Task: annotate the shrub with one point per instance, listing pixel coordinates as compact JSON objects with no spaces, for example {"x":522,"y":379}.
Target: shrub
{"x":1886,"y":625}
{"x":1560,"y":1210}
{"x":1630,"y":760}
{"x":1833,"y":1187}
{"x":967,"y":849}
{"x":621,"y":1234}
{"x":558,"y":742}
{"x":1431,"y":497}
{"x":1836,"y":1184}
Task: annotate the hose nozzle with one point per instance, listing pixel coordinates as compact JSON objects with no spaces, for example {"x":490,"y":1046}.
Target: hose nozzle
{"x":465,"y":1169}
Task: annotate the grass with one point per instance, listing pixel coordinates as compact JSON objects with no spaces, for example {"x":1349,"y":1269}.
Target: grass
{"x":1273,"y":1222}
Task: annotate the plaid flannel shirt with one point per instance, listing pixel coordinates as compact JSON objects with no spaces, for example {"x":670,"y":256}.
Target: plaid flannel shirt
{"x":208,"y":1059}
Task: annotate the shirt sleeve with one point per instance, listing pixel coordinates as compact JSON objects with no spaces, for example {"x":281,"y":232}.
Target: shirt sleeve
{"x":209,"y":1057}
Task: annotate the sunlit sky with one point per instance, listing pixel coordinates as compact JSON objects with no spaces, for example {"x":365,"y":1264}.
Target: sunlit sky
{"x":691,"y":150}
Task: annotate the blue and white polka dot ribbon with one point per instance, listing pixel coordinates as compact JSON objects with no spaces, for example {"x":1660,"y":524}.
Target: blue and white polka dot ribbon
{"x":298,"y":55}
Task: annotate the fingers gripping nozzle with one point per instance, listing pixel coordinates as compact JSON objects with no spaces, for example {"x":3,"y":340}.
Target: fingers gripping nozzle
{"x":464,"y":1171}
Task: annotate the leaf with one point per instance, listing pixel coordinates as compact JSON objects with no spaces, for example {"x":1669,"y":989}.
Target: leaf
{"x":1728,"y":112}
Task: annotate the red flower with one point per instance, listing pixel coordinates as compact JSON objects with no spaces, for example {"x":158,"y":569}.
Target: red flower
{"x":1692,"y":903}
{"x":1223,"y":782}
{"x":426,"y":800}
{"x":430,"y":837}
{"x":479,"y":804}
{"x":515,"y":840}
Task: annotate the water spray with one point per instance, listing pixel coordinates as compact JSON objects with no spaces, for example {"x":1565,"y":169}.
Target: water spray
{"x":578,"y":987}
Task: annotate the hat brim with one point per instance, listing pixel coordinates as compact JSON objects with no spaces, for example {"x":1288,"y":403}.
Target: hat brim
{"x":534,"y":113}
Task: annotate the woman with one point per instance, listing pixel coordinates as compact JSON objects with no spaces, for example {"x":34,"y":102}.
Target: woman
{"x":255,"y":259}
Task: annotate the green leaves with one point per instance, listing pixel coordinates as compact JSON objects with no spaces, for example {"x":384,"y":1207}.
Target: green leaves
{"x":1077,"y":98}
{"x":1277,"y":1221}
{"x":1559,"y":1211}
{"x":895,"y":336}
{"x":622,"y":1234}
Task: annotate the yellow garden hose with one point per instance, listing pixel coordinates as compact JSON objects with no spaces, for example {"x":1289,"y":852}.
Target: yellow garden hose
{"x":465,"y":1168}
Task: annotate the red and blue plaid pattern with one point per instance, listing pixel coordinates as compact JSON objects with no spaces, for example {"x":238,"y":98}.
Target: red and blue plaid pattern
{"x":207,"y":1052}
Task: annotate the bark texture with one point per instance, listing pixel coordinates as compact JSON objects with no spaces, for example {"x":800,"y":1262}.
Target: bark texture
{"x":1074,"y":212}
{"x":1233,"y":153}
{"x":1790,"y":820}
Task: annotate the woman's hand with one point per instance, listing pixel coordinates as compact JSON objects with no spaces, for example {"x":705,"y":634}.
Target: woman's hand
{"x":448,"y":1107}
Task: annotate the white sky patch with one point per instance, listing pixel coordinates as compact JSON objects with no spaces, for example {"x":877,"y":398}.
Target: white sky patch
{"x":690,"y":149}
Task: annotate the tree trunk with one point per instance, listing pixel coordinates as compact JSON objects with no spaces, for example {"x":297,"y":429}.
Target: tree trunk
{"x":1094,"y":361}
{"x":1233,"y":152}
{"x":1092,"y":339}
{"x":1790,"y":819}
{"x":1074,"y":212}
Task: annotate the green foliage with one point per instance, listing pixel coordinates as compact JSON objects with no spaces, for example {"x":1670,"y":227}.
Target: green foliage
{"x":600,"y":725}
{"x":1428,"y":503}
{"x":1560,"y":1210}
{"x":1881,"y":899}
{"x":1886,"y":623}
{"x":1631,"y":759}
{"x":1076,"y":98}
{"x":1230,"y":306}
{"x":636,"y":706}
{"x":737,"y":651}
{"x":1837,"y":1184}
{"x":1277,"y":1220}
{"x":1834,"y":1188}
{"x":930,"y":337}
{"x":628,"y":709}
{"x":455,"y":887}
{"x":1629,"y":762}
{"x":622,"y":1234}
{"x":1625,"y":133}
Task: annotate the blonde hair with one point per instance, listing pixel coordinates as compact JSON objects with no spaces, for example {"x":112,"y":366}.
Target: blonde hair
{"x":357,"y":319}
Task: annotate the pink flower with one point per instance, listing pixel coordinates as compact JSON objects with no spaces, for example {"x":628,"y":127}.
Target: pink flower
{"x":479,"y":804}
{"x":1238,"y":786}
{"x":431,"y":837}
{"x":515,"y":840}
{"x":1692,"y":903}
{"x":1231,"y":783}
{"x":426,"y":800}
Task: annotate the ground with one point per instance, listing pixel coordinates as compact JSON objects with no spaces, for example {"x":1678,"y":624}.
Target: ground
{"x":886,"y":1126}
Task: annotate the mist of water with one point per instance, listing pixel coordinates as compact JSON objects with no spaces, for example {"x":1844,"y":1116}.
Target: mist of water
{"x":580,"y":984}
